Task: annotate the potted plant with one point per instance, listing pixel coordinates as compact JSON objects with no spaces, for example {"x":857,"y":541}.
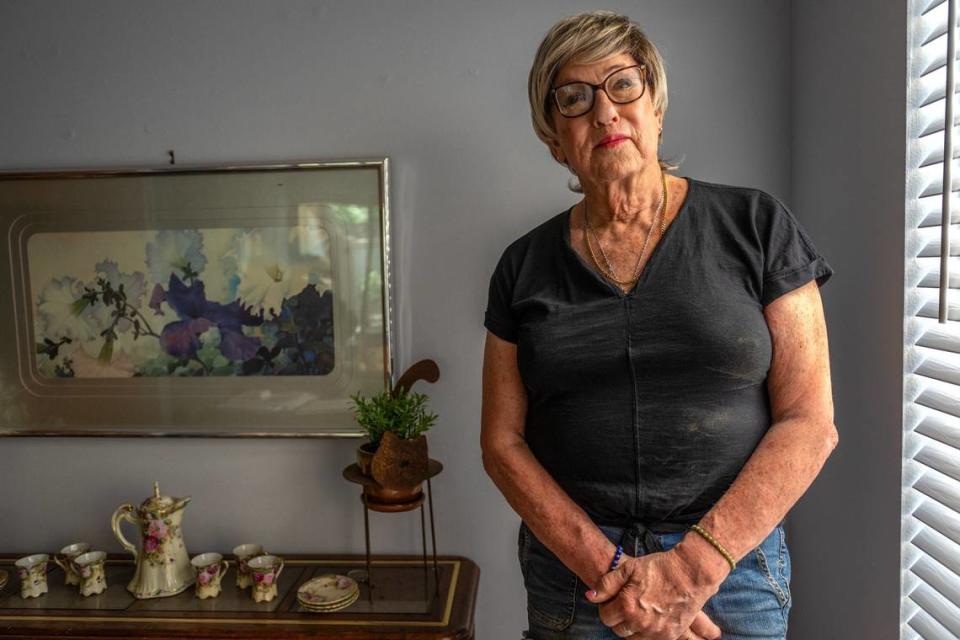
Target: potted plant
{"x":395,"y":454}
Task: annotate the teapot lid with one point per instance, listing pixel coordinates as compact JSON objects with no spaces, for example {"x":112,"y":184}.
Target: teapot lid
{"x":157,"y":503}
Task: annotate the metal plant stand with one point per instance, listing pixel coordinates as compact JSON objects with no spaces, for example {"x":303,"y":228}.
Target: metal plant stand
{"x":353,"y":474}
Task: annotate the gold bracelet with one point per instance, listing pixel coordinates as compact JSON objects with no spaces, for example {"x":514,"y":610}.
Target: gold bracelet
{"x":709,"y":538}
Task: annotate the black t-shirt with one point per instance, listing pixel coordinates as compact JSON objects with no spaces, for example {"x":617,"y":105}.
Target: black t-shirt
{"x":644,"y":406}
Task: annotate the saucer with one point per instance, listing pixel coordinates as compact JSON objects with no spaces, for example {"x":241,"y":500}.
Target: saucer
{"x":329,"y":608}
{"x":328,"y":590}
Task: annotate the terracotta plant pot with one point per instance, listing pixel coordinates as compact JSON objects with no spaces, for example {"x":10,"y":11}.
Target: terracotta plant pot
{"x":400,"y":464}
{"x":365,"y":457}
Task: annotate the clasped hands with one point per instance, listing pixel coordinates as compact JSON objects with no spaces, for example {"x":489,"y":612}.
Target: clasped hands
{"x":652,"y":598}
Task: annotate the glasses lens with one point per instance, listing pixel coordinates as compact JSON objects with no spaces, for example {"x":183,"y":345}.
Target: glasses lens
{"x":574,"y":99}
{"x":625,"y":85}
{"x":622,"y":86}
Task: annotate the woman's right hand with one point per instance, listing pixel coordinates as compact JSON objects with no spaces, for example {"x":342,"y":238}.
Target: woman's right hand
{"x":651,"y":597}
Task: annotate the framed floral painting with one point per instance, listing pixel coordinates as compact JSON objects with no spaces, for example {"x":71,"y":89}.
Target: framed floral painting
{"x":237,"y":301}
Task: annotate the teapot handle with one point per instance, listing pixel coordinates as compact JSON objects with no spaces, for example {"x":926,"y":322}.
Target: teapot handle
{"x":124,"y":512}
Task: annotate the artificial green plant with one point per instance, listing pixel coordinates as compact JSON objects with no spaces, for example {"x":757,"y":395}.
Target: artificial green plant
{"x":403,"y":413}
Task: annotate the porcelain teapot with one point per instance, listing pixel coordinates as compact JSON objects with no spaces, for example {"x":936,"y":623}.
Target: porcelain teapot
{"x":163,"y":564}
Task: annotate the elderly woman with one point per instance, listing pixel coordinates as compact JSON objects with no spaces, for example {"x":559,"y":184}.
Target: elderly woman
{"x":656,"y":385}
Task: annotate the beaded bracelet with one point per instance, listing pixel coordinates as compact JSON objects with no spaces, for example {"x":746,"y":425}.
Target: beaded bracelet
{"x":709,"y":538}
{"x":616,"y":558}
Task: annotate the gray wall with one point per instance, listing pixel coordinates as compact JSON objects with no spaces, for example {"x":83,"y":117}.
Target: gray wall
{"x":849,"y":128}
{"x":440,"y":89}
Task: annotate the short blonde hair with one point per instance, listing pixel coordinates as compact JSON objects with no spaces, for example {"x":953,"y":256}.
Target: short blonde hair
{"x":586,"y":38}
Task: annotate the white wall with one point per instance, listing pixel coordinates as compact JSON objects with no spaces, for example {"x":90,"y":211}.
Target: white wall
{"x":440,"y":88}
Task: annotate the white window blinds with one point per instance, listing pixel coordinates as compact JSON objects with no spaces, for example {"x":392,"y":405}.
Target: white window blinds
{"x":930,"y":524}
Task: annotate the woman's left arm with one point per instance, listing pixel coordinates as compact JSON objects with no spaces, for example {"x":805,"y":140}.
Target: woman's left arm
{"x":781,"y":468}
{"x":792,"y":452}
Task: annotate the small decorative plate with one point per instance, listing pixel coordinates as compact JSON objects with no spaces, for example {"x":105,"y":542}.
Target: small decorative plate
{"x":330,"y":609}
{"x":328,"y":590}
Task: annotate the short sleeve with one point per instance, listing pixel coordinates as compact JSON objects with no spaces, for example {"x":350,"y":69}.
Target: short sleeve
{"x":790,"y":258}
{"x":499,"y":318}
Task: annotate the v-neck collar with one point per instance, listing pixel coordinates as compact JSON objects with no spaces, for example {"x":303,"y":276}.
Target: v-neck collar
{"x":565,"y":232}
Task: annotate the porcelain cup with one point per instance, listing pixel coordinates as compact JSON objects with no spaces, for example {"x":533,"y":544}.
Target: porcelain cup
{"x":32,"y":571}
{"x":91,"y":567}
{"x":243,"y":553}
{"x":265,"y":571}
{"x":64,"y":560}
{"x":209,"y":568}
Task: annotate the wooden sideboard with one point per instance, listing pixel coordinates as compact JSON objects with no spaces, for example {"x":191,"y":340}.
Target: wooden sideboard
{"x":403,"y":603}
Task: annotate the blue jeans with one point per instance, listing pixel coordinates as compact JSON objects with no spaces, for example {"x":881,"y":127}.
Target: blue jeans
{"x":753,"y":602}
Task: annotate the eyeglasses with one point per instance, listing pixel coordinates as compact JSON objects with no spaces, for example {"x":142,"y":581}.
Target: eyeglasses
{"x":622,"y":86}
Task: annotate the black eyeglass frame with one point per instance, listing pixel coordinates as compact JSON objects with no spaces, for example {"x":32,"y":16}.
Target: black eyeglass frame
{"x":599,"y":87}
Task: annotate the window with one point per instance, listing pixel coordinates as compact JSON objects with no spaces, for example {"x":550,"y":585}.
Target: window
{"x":930,"y":523}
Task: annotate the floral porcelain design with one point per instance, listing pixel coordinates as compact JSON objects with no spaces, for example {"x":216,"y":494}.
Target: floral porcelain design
{"x":91,"y":569}
{"x":160,"y":532}
{"x":266,"y":572}
{"x":162,"y":564}
{"x":328,"y":593}
{"x":210,"y":568}
{"x":32,"y":571}
{"x":327,"y":589}
{"x":65,"y":559}
{"x":207,"y":575}
{"x":244,"y":553}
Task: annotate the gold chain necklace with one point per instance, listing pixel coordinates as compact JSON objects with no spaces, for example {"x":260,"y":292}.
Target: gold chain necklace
{"x":643,"y":249}
{"x":608,"y":272}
